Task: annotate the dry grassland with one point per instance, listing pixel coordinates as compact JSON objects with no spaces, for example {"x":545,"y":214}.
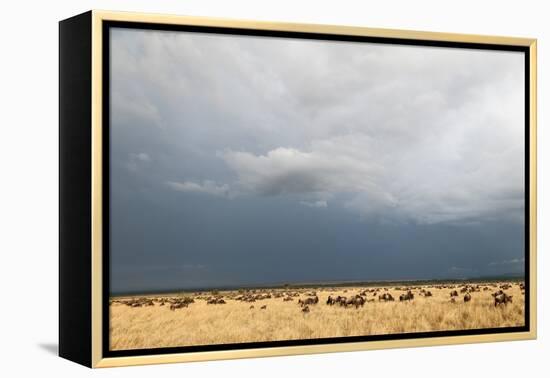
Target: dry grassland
{"x":156,"y":325}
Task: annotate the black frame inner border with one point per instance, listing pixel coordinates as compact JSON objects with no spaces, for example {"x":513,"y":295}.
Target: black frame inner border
{"x":107,"y":25}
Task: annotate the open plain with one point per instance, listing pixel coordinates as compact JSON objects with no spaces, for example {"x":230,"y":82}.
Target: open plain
{"x":253,"y":315}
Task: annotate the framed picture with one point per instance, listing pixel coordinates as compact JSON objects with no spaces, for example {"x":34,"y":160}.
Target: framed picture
{"x":235,"y":189}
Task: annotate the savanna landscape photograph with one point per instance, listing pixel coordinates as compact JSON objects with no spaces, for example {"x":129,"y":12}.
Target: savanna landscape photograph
{"x":273,"y":188}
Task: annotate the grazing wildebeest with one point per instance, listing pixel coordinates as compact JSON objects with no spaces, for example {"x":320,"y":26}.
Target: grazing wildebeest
{"x":305,"y":309}
{"x":407,"y":297}
{"x":330,"y":300}
{"x":355,"y":301}
{"x":137,"y":302}
{"x":263,"y":307}
{"x":251,"y":307}
{"x":454,"y":293}
{"x":502,"y":299}
{"x":287,"y":299}
{"x":341,"y":300}
{"x":385,"y":297}
{"x":308,"y":301}
{"x":216,"y":301}
{"x":349,"y":301}
{"x":428,"y":294}
{"x":467,"y":297}
{"x":178,"y":305}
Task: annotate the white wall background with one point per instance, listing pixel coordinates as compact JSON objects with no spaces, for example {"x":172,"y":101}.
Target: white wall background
{"x":29,"y":189}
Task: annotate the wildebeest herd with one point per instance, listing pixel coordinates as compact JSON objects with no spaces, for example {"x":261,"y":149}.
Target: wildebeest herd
{"x":306,"y":298}
{"x":259,"y":314}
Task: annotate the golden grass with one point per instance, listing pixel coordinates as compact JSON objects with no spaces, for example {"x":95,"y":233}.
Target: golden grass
{"x":201,"y":323}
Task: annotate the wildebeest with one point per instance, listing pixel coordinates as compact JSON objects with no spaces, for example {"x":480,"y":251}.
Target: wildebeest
{"x":341,"y":300}
{"x":305,"y":309}
{"x":386,"y":297}
{"x":330,"y":300}
{"x":178,"y":305}
{"x":251,"y":307}
{"x":453,"y":300}
{"x":409,"y":296}
{"x":263,"y":307}
{"x":356,"y":301}
{"x":308,"y":301}
{"x":502,"y":298}
{"x":467,"y":297}
{"x":454,"y":293}
{"x":137,"y":302}
{"x":216,"y":301}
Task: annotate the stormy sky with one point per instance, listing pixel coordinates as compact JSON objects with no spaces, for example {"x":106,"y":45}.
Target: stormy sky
{"x":239,"y":160}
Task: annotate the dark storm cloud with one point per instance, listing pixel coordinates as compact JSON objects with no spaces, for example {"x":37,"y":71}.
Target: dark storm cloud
{"x":398,"y":139}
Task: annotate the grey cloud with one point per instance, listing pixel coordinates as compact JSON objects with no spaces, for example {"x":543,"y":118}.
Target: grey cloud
{"x":333,"y":165}
{"x":309,"y":89}
{"x":362,"y":155}
{"x":317,"y":204}
{"x":208,"y":187}
{"x":417,"y":133}
{"x":354,"y":164}
{"x":142,"y":156}
{"x":135,"y":160}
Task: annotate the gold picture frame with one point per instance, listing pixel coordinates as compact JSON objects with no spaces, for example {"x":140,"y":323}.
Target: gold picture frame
{"x":82,"y":208}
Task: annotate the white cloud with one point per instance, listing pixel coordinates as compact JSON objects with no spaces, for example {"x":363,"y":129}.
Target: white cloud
{"x":207,"y":187}
{"x":135,"y":160}
{"x":390,"y":181}
{"x":340,"y":164}
{"x":508,"y":262}
{"x":317,"y":204}
{"x":142,"y":156}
